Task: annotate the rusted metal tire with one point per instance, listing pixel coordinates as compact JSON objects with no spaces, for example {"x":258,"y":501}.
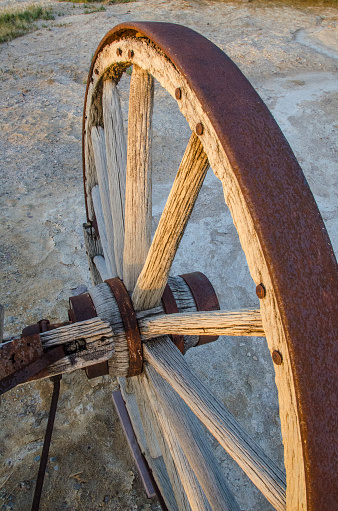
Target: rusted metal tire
{"x":279,"y":225}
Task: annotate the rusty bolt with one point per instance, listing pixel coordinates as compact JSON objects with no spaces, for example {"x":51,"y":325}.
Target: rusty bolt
{"x":277,"y":357}
{"x":260,"y":291}
{"x":199,"y":128}
{"x":178,"y":93}
{"x":96,"y":71}
{"x":130,"y":54}
{"x":119,"y":52}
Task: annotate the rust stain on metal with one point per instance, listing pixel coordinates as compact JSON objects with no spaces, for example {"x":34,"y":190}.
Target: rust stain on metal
{"x":260,"y":291}
{"x":170,"y":307}
{"x":131,"y":328}
{"x":204,"y":296}
{"x":16,"y":354}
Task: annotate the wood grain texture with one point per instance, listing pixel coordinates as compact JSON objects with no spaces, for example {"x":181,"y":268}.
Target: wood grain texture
{"x":262,"y":471}
{"x":101,"y":267}
{"x":87,"y":343}
{"x":116,"y":165}
{"x":188,"y":491}
{"x":169,"y":486}
{"x":97,"y":203}
{"x":246,"y":322}
{"x":194,"y":444}
{"x":93,"y":248}
{"x":189,"y":179}
{"x":138,"y":184}
{"x":99,"y":150}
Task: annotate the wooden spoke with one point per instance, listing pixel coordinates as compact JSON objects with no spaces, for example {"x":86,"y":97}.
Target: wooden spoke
{"x":138,"y":185}
{"x":246,"y":322}
{"x":193,"y":443}
{"x":161,"y":443}
{"x":190,"y":176}
{"x":101,"y":266}
{"x":99,"y":150}
{"x":97,"y":203}
{"x":170,"y":364}
{"x":170,"y":486}
{"x":116,"y":165}
{"x":178,"y":463}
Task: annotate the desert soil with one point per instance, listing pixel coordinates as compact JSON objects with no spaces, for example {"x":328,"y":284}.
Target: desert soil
{"x":290,"y":56}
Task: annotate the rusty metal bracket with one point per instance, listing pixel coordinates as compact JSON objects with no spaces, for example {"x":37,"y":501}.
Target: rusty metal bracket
{"x":204,"y":296}
{"x":131,"y":328}
{"x":22,"y":359}
{"x":81,"y":307}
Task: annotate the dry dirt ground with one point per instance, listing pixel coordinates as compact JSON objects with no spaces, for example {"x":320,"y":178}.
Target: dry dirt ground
{"x":290,"y":56}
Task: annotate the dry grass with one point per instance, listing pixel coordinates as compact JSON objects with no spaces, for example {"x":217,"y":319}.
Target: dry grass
{"x":17,"y":22}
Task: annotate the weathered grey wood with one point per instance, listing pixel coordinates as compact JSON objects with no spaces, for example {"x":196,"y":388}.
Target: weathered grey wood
{"x":2,"y":318}
{"x":99,"y":150}
{"x":263,"y":472}
{"x":146,"y":416}
{"x":97,"y":203}
{"x":101,"y":266}
{"x":93,"y":248}
{"x":138,"y":184}
{"x":99,"y":345}
{"x":107,"y":309}
{"x":187,"y":490}
{"x":116,"y":165}
{"x":189,"y":179}
{"x":157,"y":464}
{"x":245,"y":322}
{"x":195,"y":446}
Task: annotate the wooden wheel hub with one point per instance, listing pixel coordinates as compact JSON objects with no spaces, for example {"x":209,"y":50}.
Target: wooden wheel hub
{"x":202,"y":293}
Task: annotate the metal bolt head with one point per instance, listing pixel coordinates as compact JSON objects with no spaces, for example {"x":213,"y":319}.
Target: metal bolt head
{"x":277,"y":357}
{"x":178,"y":93}
{"x":260,"y":291}
{"x":199,"y":128}
{"x":130,"y":54}
{"x":119,"y":52}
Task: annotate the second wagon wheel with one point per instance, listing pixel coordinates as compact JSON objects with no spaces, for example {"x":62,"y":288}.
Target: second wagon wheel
{"x":282,"y":235}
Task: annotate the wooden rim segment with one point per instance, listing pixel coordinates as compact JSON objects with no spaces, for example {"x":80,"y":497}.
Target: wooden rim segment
{"x":279,"y":225}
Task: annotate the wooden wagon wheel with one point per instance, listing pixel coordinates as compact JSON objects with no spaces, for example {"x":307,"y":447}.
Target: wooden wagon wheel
{"x":282,"y":235}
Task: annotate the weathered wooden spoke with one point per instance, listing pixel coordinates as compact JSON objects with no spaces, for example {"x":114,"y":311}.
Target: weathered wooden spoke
{"x":234,"y":132}
{"x":190,"y":176}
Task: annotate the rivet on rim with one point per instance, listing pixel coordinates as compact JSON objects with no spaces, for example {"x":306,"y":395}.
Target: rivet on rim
{"x":199,"y":128}
{"x":178,"y":93}
{"x":119,"y":52}
{"x":130,"y":54}
{"x":96,"y":71}
{"x":260,"y":291}
{"x":277,"y":357}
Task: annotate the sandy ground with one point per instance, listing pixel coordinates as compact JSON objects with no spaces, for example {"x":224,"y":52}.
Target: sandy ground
{"x":290,"y":56}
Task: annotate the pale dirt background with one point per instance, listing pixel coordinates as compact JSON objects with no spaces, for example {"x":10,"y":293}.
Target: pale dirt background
{"x":290,"y":56}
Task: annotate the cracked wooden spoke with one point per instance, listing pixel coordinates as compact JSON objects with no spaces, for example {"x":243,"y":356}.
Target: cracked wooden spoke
{"x":239,"y":323}
{"x":138,"y":186}
{"x":263,"y":472}
{"x":116,"y":165}
{"x":189,"y":179}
